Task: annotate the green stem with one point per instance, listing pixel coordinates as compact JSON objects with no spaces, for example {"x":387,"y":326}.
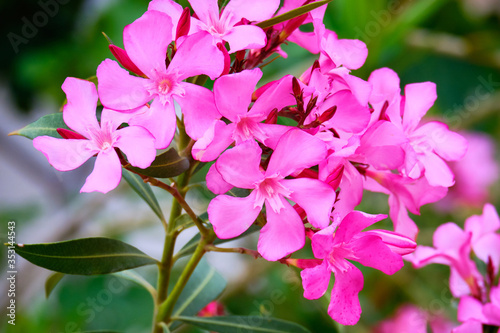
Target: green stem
{"x":166,"y":308}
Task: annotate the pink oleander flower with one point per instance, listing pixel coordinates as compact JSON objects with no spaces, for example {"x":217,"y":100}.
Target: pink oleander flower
{"x":405,"y":194}
{"x":146,"y":41}
{"x":411,"y":319}
{"x":472,"y":188}
{"x":471,"y":311}
{"x":93,"y":138}
{"x":284,"y":231}
{"x":430,"y":144}
{"x":452,"y":247}
{"x":233,"y":95}
{"x":374,"y":248}
{"x":226,"y":26}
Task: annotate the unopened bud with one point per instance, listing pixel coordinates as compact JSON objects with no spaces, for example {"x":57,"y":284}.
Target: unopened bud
{"x":272,"y":118}
{"x":328,"y":114}
{"x":122,"y":57}
{"x":227,"y":59}
{"x":297,"y":90}
{"x":184,"y":24}
{"x":67,"y":134}
{"x":396,"y":242}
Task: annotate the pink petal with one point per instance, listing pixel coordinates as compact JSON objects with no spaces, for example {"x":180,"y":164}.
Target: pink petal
{"x":371,"y":251}
{"x":197,"y":55}
{"x":239,"y":166}
{"x":257,"y":10}
{"x":359,"y":88}
{"x":322,"y":242}
{"x":488,"y":222}
{"x":146,"y":41}
{"x":205,"y":9}
{"x":419,"y":97}
{"x":215,"y":140}
{"x":385,"y":85}
{"x":169,"y":7}
{"x":233,"y":93}
{"x":354,"y":223}
{"x":350,"y":116}
{"x":64,"y":154}
{"x":106,"y":174}
{"x":198,"y":108}
{"x":272,"y":133}
{"x":437,"y":171}
{"x":80,"y":111}
{"x":244,"y":37}
{"x":224,"y":212}
{"x":351,"y":53}
{"x":470,"y":308}
{"x":344,"y":304}
{"x":471,"y":326}
{"x":278,"y":94}
{"x":315,"y":197}
{"x":160,"y":121}
{"x":351,"y":191}
{"x":398,"y":243}
{"x":448,"y":145}
{"x":449,"y":236}
{"x":492,"y":313}
{"x":118,"y":90}
{"x":488,"y":247}
{"x":296,"y":150}
{"x":315,"y":280}
{"x":138,"y":144}
{"x":215,"y":182}
{"x":398,"y":213}
{"x":283,"y":233}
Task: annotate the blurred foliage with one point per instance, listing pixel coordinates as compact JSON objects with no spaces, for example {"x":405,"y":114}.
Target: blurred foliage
{"x":422,"y":40}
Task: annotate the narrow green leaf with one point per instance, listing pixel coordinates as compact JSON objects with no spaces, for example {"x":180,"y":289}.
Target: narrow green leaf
{"x":46,"y":125}
{"x":193,"y":242}
{"x":204,"y":286}
{"x":244,"y":324}
{"x":86,"y":256}
{"x":184,"y":221}
{"x":169,"y":164}
{"x":291,"y":14}
{"x":144,"y":191}
{"x":134,"y":277}
{"x":52,"y":282}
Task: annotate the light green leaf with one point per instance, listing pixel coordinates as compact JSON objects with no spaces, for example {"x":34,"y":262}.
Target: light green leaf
{"x":144,"y":191}
{"x":166,"y":165}
{"x":291,"y":14}
{"x":52,"y":282}
{"x":204,"y":286}
{"x":86,"y":256}
{"x":184,"y":221}
{"x":47,"y":125}
{"x":134,"y":277}
{"x":244,"y":324}
{"x":165,"y":328}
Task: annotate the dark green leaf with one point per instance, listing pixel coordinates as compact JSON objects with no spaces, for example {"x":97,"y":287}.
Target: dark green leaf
{"x":144,"y":191}
{"x":47,"y":125}
{"x":169,"y":164}
{"x":52,"y":282}
{"x":193,"y":242}
{"x":291,"y":14}
{"x":244,"y":324}
{"x":86,"y":256}
{"x":204,"y":286}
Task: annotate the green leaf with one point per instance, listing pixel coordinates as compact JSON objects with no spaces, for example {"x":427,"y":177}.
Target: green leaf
{"x":165,"y":328}
{"x":52,"y":282}
{"x":86,"y":256}
{"x":184,"y":221}
{"x":291,"y":14}
{"x":244,"y":324}
{"x":204,"y":285}
{"x":134,"y":277}
{"x":144,"y":191}
{"x":169,"y":164}
{"x":193,"y":242}
{"x":47,"y":125}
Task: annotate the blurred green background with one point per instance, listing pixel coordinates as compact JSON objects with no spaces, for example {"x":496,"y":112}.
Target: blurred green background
{"x":455,"y":44}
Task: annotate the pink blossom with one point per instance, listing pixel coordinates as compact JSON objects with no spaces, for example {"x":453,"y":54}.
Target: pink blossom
{"x":336,"y":247}
{"x":94,"y":138}
{"x":233,"y":95}
{"x":430,"y":143}
{"x":471,"y":309}
{"x":146,"y":42}
{"x":284,"y":231}
{"x":226,"y":26}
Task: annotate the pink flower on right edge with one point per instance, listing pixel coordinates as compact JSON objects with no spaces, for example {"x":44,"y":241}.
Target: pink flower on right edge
{"x":379,"y":249}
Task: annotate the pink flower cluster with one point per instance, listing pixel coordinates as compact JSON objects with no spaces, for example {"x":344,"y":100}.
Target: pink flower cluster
{"x":479,"y":293}
{"x":348,"y":135}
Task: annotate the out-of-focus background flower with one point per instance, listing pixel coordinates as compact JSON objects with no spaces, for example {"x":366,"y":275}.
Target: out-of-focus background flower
{"x":455,"y":44}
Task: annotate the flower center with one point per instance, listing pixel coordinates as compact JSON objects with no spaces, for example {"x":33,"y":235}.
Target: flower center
{"x":246,"y":129}
{"x":164,"y":86}
{"x":271,"y":190}
{"x":338,"y":255}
